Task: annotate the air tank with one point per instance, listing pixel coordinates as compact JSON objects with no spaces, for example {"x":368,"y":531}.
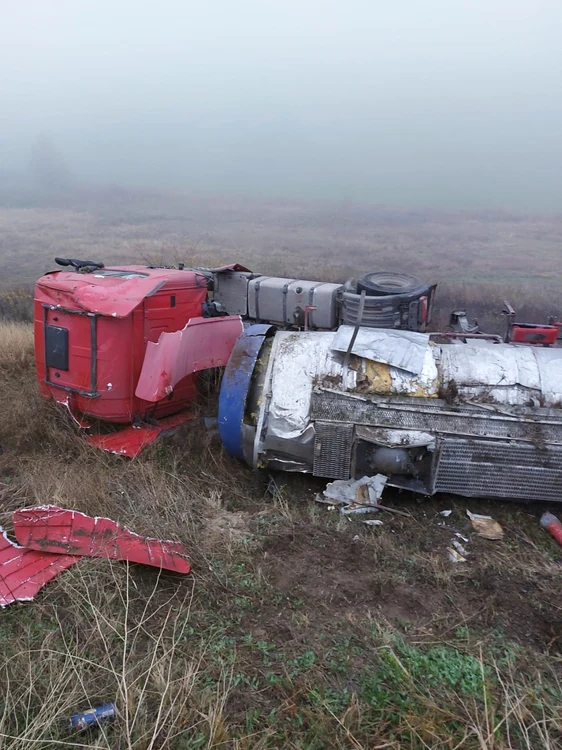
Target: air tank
{"x":480,"y":419}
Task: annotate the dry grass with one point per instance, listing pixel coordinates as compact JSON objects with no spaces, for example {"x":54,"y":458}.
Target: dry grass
{"x":479,"y":258}
{"x":288,"y":633}
{"x":296,"y":629}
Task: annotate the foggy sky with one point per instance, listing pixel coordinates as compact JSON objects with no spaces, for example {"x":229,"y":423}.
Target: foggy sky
{"x":446,"y":103}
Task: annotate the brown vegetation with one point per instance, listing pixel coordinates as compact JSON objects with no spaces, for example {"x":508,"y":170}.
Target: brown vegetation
{"x":478,"y":259}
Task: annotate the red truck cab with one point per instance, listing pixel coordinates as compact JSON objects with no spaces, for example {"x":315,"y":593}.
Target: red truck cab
{"x":91,"y":333}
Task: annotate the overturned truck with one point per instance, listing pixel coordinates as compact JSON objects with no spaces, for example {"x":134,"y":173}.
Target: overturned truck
{"x":475,"y":419}
{"x":340,"y":380}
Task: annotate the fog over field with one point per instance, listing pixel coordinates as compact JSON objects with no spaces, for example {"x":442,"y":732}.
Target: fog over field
{"x":437,"y":103}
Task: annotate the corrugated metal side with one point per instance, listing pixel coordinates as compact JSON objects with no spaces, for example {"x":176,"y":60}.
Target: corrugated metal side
{"x":332,"y":450}
{"x":486,"y":468}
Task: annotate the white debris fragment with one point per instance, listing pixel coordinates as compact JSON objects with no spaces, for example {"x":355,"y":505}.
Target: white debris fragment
{"x":348,"y":491}
{"x":445,"y":513}
{"x":373,"y":522}
{"x":354,"y":509}
{"x":455,"y":556}
{"x":458,"y":546}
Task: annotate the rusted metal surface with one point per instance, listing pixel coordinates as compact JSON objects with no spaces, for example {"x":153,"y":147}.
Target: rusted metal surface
{"x":202,"y":344}
{"x":51,"y":529}
{"x":130,"y":441}
{"x":23,"y":572}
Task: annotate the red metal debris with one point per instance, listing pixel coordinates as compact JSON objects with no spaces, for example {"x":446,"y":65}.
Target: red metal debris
{"x":202,"y":344}
{"x":130,"y":441}
{"x":69,"y":532}
{"x":24,"y":571}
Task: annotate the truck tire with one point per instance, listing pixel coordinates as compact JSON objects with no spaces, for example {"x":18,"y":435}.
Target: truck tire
{"x":384,"y":283}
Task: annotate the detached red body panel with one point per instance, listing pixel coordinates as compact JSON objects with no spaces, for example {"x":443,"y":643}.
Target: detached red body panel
{"x":202,"y":344}
{"x":69,"y":532}
{"x":23,"y":572}
{"x":130,"y":441}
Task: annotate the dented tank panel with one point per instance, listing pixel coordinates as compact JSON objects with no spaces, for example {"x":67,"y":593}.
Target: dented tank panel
{"x":337,"y":415}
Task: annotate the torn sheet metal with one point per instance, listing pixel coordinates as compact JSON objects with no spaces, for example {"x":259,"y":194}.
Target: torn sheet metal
{"x":365,"y":491}
{"x":383,"y":379}
{"x":132,"y":440}
{"x":23,"y":572}
{"x":202,"y":344}
{"x":405,"y":350}
{"x":69,"y":532}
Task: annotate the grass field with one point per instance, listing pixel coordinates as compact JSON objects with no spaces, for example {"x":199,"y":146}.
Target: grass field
{"x":478,"y":259}
{"x":296,"y":628}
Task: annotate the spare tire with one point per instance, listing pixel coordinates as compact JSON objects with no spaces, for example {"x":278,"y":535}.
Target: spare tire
{"x":383,"y":283}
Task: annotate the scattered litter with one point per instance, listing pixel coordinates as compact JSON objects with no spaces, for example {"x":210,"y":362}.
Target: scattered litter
{"x":445,"y":513}
{"x":348,"y":491}
{"x":93,"y":717}
{"x":356,"y":538}
{"x":455,"y":556}
{"x":458,"y":546}
{"x":460,"y":536}
{"x":68,"y":532}
{"x":23,"y":572}
{"x":550,"y":523}
{"x":356,"y":509}
{"x":373,"y":522}
{"x":485,"y":526}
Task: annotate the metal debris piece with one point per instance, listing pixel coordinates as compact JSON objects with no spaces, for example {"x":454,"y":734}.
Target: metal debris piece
{"x":202,"y":344}
{"x":402,"y":349}
{"x":550,"y":523}
{"x":367,"y":490}
{"x":459,"y":547}
{"x":23,"y":572}
{"x":69,"y":532}
{"x":93,"y":717}
{"x":356,"y":508}
{"x":130,"y":441}
{"x":485,"y":526}
{"x":373,"y":522}
{"x":455,"y":556}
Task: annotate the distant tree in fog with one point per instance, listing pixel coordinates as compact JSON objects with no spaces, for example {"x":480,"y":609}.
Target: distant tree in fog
{"x":49,"y":166}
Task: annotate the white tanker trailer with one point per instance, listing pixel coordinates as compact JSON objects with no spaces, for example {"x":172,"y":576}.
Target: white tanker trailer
{"x":478,"y":419}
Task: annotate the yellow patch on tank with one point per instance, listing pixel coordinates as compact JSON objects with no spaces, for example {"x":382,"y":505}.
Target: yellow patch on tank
{"x":375,"y":378}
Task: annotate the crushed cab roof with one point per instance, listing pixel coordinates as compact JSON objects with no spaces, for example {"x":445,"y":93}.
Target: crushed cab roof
{"x":104,"y":293}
